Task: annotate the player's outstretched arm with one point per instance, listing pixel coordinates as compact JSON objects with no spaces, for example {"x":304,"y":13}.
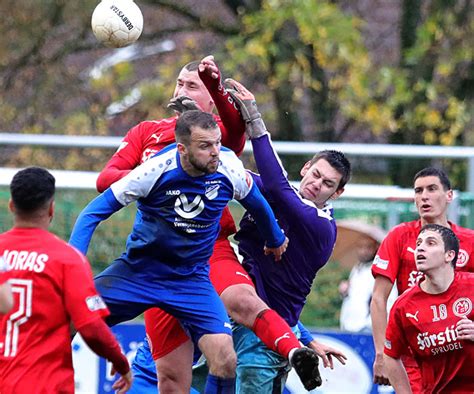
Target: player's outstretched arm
{"x":258,"y":207}
{"x":99,"y":209}
{"x":102,"y":342}
{"x":245,"y":101}
{"x":233,"y":135}
{"x":327,"y":353}
{"x":397,"y":374}
{"x":378,"y":313}
{"x":272,"y":173}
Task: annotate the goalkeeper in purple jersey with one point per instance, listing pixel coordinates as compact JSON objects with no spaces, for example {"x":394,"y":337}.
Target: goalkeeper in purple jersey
{"x":307,"y":220}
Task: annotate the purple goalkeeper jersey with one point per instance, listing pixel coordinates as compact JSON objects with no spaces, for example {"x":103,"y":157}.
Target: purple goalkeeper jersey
{"x":284,"y":285}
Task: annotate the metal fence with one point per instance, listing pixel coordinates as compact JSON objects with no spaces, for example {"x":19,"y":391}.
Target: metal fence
{"x":385,"y":206}
{"x":282,"y":147}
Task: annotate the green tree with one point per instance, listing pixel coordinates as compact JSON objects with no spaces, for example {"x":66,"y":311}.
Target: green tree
{"x":430,"y":91}
{"x":307,"y":60}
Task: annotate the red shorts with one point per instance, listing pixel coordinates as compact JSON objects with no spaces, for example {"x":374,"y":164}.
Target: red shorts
{"x":164,"y":331}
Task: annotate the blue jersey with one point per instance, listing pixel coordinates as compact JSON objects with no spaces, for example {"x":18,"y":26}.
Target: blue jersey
{"x":285,"y":285}
{"x":178,"y":215}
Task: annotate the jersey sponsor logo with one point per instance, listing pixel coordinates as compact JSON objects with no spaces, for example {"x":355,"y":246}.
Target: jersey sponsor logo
{"x":463,"y":258}
{"x":414,"y":278}
{"x":380,"y":263}
{"x":286,"y":335}
{"x":388,"y":344}
{"x":186,"y":209}
{"x":24,"y":260}
{"x":462,"y":307}
{"x":415,"y":316}
{"x":212,"y":192}
{"x":173,"y":192}
{"x":95,"y":303}
{"x":441,"y":342}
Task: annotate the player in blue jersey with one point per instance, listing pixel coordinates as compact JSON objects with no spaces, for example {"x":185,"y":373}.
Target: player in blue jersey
{"x":307,"y":219}
{"x":180,"y":195}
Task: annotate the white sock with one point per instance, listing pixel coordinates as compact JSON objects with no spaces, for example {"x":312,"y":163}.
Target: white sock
{"x":290,"y":354}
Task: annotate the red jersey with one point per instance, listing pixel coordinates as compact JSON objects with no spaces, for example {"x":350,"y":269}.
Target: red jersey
{"x":426,"y":324}
{"x":52,"y":286}
{"x":149,"y":137}
{"x":3,"y":268}
{"x":395,"y":258}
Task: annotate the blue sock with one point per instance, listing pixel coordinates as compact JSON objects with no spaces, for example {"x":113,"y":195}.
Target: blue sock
{"x":217,"y":385}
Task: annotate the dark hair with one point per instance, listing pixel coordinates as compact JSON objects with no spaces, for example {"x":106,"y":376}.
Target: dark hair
{"x":192,"y":66}
{"x":194,"y":118}
{"x":432,"y":171}
{"x":32,"y":189}
{"x":451,"y":242}
{"x":338,"y":161}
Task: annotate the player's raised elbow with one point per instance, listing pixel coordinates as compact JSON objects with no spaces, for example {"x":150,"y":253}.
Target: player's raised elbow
{"x":101,"y":183}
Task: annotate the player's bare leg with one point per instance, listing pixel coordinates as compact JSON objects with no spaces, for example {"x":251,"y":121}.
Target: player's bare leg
{"x":175,"y":370}
{"x":222,"y":361}
{"x":242,"y":304}
{"x":245,"y":307}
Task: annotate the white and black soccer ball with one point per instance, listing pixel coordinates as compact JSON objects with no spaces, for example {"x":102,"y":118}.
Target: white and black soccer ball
{"x":117,"y":23}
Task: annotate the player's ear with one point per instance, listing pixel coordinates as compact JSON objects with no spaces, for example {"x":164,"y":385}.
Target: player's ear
{"x":305,"y":168}
{"x":51,"y":208}
{"x":450,"y":256}
{"x":449,"y":195}
{"x":181,"y":148}
{"x":11,"y":206}
{"x":337,"y":193}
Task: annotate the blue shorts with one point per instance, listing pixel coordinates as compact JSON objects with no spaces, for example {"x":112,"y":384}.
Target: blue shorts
{"x":144,"y":372}
{"x":192,"y":300}
{"x":145,"y":380}
{"x":259,"y":369}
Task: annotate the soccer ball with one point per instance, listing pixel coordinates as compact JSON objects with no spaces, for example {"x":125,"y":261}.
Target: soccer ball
{"x":117,"y":23}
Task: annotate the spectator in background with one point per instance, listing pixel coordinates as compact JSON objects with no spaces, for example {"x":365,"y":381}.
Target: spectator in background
{"x":357,"y":290}
{"x":356,"y":246}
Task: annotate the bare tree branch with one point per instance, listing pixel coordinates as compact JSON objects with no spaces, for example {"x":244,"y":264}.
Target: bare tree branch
{"x":201,"y":21}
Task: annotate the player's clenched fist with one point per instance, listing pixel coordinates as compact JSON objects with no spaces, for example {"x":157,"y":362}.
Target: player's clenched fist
{"x":277,"y":252}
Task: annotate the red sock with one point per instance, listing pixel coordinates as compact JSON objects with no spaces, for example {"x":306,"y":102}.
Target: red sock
{"x":275,"y":332}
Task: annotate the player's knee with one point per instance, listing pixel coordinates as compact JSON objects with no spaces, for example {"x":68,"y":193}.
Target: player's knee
{"x":173,"y":380}
{"x":243,"y":304}
{"x":223,"y":362}
{"x":227,"y":364}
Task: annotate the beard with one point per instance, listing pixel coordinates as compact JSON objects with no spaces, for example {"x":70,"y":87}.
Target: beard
{"x":206,"y":168}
